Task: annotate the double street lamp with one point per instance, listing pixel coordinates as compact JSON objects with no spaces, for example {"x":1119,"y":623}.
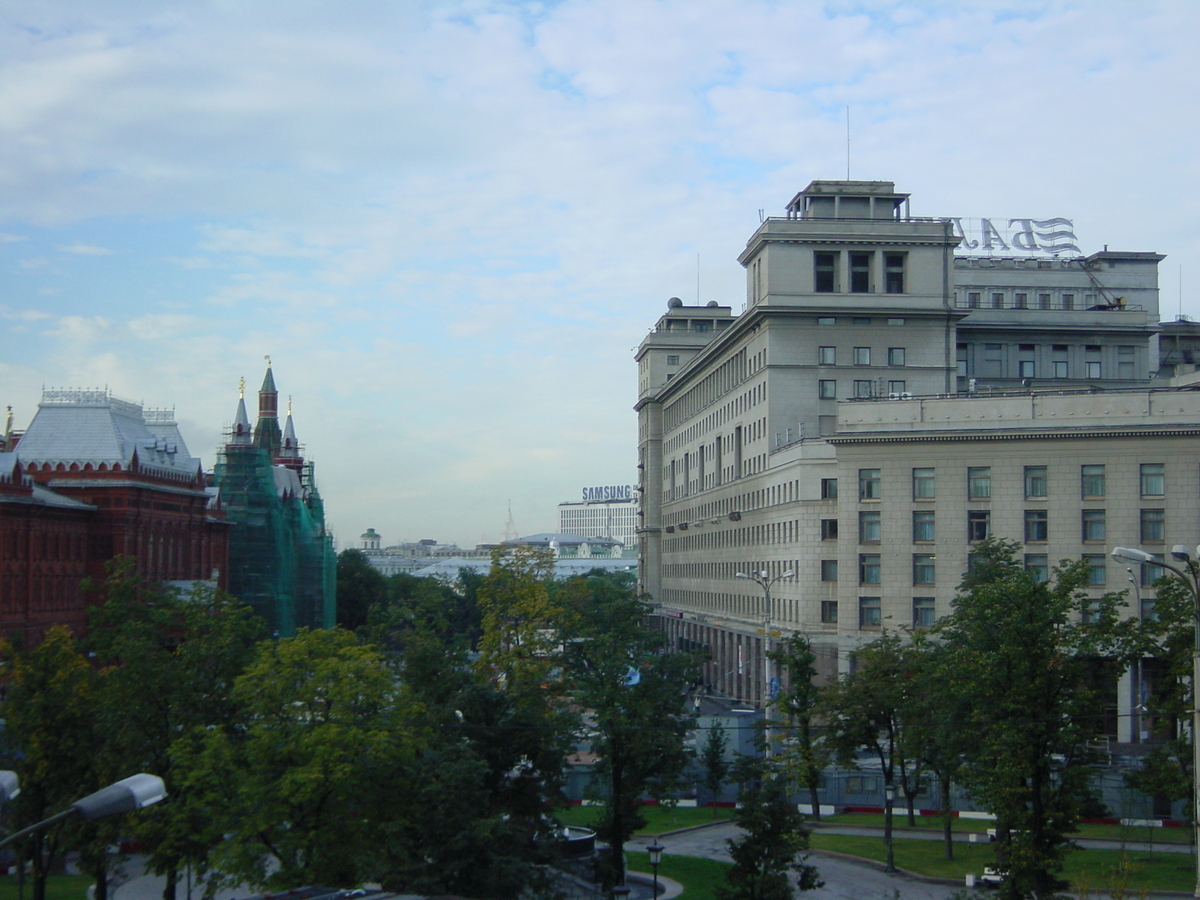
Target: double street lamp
{"x":1189,"y":574}
{"x":764,"y":580}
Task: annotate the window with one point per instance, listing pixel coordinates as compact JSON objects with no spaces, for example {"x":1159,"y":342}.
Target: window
{"x":672,"y":360}
{"x":868,"y":527}
{"x":979,"y":483}
{"x":1035,"y":481}
{"x":1093,"y":525}
{"x":997,"y":300}
{"x":826,"y":320}
{"x":1060,"y":368}
{"x":923,"y":526}
{"x":863,"y":390}
{"x":893,"y":273}
{"x":1026,"y":368}
{"x":827,"y":389}
{"x":827,"y":356}
{"x":923,"y":484}
{"x":923,"y":616}
{"x":868,"y":484}
{"x":860,"y":320}
{"x":829,"y":570}
{"x":829,"y":529}
{"x":1153,"y":479}
{"x":896,"y":321}
{"x":1043,"y":301}
{"x":895,"y":387}
{"x":1151,"y":572}
{"x":1097,"y":571}
{"x":829,"y":612}
{"x":979,"y":524}
{"x":1091,"y":481}
{"x":1068,"y":301}
{"x":868,"y":568}
{"x":829,"y":489}
{"x":862,"y":356}
{"x":1036,"y":527}
{"x":824,"y":273}
{"x":924,"y":568}
{"x":1091,"y":370}
{"x":860,"y":273}
{"x":1154,"y":526}
{"x":972,"y":299}
{"x":895,"y":356}
{"x":1020,"y":300}
{"x":870,"y":615}
{"x":1038,"y":565}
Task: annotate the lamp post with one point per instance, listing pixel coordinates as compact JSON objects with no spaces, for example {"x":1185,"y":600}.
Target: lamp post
{"x":126,"y":795}
{"x":1191,"y":579}
{"x":764,"y":580}
{"x":656,"y":851}
{"x":889,"y":797}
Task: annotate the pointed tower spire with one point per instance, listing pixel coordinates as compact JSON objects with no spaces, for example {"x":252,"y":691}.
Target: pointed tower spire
{"x":240,"y":435}
{"x":266,"y":431}
{"x":289,"y":451}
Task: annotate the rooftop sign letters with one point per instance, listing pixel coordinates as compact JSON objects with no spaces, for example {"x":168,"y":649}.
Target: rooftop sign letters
{"x":1049,"y":237}
{"x":608,"y":492}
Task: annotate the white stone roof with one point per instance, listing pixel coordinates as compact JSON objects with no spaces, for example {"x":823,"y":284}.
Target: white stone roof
{"x":95,"y":427}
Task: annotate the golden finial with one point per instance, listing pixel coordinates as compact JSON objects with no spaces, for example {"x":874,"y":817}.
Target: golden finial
{"x":289,"y":404}
{"x":267,"y":357}
{"x":242,"y":388}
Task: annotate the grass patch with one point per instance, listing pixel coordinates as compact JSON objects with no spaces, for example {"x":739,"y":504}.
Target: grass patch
{"x":659,"y":819}
{"x":58,"y":887}
{"x":1095,"y":870}
{"x":699,"y":877}
{"x":934,"y":823}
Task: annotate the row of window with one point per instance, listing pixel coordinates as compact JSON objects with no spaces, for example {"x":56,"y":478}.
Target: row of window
{"x":1093,"y":526}
{"x":1152,"y":481}
{"x":924,"y":569}
{"x":858,"y":271}
{"x":1022,"y":300}
{"x":864,"y":388}
{"x":861,"y":356}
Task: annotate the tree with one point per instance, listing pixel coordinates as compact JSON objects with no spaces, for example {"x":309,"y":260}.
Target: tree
{"x":634,"y":696}
{"x":170,"y":661}
{"x":765,"y":857}
{"x":1028,"y":659}
{"x":320,"y":725}
{"x":868,"y":710}
{"x":51,"y":732}
{"x":713,"y":762}
{"x":361,"y":588}
{"x":805,"y":755}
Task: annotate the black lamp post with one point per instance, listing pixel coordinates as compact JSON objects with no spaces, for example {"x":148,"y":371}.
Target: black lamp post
{"x":656,"y":852}
{"x":889,"y":796}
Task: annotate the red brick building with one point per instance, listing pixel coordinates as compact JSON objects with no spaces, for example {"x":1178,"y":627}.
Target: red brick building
{"x":95,"y":477}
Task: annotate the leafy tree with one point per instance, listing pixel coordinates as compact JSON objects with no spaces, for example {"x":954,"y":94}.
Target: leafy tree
{"x":51,"y":731}
{"x":766,"y":856}
{"x":1025,"y":656}
{"x":170,"y":663}
{"x":360,"y":589}
{"x":868,"y":710}
{"x":806,"y":755}
{"x":713,"y":762}
{"x":634,"y":696}
{"x":320,"y":723}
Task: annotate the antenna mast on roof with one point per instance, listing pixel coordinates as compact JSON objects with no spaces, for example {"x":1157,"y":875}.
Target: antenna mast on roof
{"x":847,"y":143}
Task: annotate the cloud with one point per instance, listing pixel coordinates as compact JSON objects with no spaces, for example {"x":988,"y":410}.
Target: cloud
{"x":85,"y":250}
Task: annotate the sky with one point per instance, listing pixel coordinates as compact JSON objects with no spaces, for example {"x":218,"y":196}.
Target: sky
{"x":449,"y":224}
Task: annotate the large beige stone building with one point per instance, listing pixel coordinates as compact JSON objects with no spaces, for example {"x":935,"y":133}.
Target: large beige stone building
{"x":885,"y":401}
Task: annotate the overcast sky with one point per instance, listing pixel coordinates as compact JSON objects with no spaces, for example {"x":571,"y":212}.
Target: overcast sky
{"x":450,"y":223}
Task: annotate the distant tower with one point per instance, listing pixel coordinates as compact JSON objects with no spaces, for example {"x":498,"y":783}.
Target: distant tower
{"x":266,"y":431}
{"x":510,"y":527}
{"x":241,"y":435}
{"x":371,"y":539}
{"x":289,"y":451}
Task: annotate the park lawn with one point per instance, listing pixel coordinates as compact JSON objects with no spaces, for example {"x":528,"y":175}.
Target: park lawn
{"x":1093,"y":869}
{"x":58,"y":887}
{"x":659,"y":819}
{"x":1112,"y":832}
{"x":699,"y":877}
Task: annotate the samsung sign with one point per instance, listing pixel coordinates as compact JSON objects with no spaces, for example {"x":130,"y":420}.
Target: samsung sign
{"x":1034,"y":236}
{"x":608,"y":492}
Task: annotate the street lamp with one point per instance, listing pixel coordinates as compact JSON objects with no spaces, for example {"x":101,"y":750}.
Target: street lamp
{"x":10,"y":786}
{"x":656,"y":851}
{"x":126,"y":795}
{"x":764,"y":580}
{"x":889,"y":797}
{"x":1191,"y":579}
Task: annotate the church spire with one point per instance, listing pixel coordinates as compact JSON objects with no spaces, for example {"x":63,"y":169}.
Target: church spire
{"x":266,"y":431}
{"x":289,"y":452}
